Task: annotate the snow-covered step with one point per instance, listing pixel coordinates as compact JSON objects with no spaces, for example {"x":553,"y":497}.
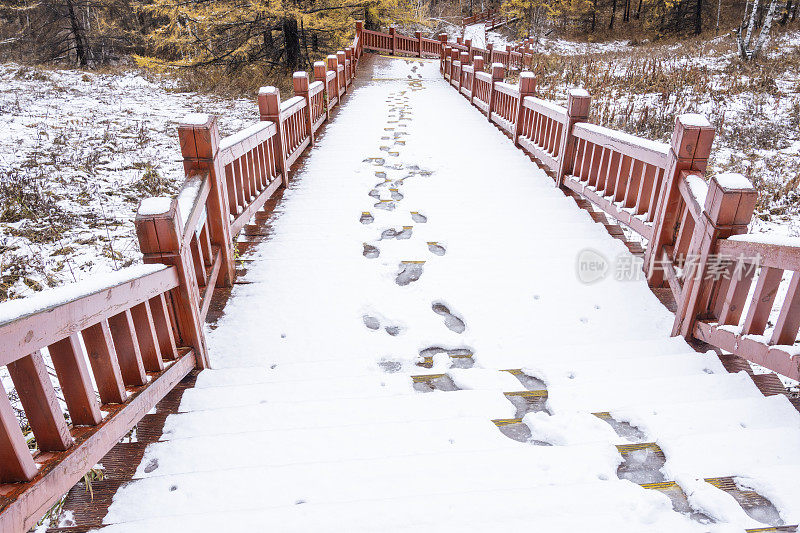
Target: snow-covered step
{"x":326,"y":413}
{"x":565,"y":371}
{"x":617,"y":505}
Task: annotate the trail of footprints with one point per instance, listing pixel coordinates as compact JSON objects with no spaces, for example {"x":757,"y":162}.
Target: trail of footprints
{"x":387,"y":192}
{"x":642,"y":460}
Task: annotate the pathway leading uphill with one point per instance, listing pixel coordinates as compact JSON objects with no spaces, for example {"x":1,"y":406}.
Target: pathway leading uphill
{"x":435,"y":363}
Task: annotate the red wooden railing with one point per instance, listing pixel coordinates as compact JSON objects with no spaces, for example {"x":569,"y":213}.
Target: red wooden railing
{"x":395,"y":44}
{"x":141,"y":329}
{"x":689,"y":228}
{"x":486,"y":14}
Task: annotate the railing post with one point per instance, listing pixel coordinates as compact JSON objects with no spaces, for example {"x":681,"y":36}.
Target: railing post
{"x":443,"y":41}
{"x":348,"y":58}
{"x":577,"y":111}
{"x":527,"y":87}
{"x":477,"y":66}
{"x":300,"y":85}
{"x":468,"y":44}
{"x":269,"y":105}
{"x":446,"y":61}
{"x":360,"y":34}
{"x":690,"y":148}
{"x":321,"y":74}
{"x":160,"y":232}
{"x":199,"y":146}
{"x":418,"y":37}
{"x":727,"y":212}
{"x":392,"y":32}
{"x":333,"y":64}
{"x":490,"y":48}
{"x":464,"y":58}
{"x":341,"y":59}
{"x":498,"y":75}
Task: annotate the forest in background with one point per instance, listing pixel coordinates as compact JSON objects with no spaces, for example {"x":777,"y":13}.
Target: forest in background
{"x":221,"y":44}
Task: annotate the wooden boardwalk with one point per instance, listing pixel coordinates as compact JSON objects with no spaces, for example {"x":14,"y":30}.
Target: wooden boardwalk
{"x":408,"y":300}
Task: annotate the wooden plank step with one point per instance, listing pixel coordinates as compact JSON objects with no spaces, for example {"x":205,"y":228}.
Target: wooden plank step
{"x":88,"y":508}
{"x":598,"y":216}
{"x":635,"y":248}
{"x":769,"y":384}
{"x":734,"y":363}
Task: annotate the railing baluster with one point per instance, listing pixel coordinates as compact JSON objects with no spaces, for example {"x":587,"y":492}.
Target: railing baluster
{"x":16,"y":463}
{"x":105,"y":366}
{"x":761,"y":304}
{"x":38,"y":399}
{"x":734,"y":296}
{"x":76,"y":384}
{"x":162,"y":320}
{"x":148,"y":338}
{"x":126,"y":345}
{"x":788,"y":322}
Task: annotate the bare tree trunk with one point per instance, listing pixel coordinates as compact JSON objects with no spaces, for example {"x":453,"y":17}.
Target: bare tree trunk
{"x":80,"y":51}
{"x":639,"y":10}
{"x":763,"y":37}
{"x":698,"y":18}
{"x":751,"y":23}
{"x":291,"y":43}
{"x":613,"y":14}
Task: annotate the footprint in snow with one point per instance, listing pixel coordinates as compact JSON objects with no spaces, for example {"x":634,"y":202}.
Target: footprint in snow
{"x":371,"y":322}
{"x":374,"y":324}
{"x":396,"y":195}
{"x":386,"y":205}
{"x":371,"y":252}
{"x":375,"y":193}
{"x":436,"y":248}
{"x":452,"y":322}
{"x":366,"y":218}
{"x":410,"y":271}
{"x":418,"y":217}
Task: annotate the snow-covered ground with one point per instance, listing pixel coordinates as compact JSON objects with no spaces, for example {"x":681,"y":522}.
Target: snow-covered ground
{"x":85,"y":148}
{"x":755,"y":108}
{"x":480,"y":37}
{"x":394,"y":243}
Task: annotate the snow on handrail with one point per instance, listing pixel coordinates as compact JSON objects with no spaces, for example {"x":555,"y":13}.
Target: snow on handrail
{"x":652,"y":152}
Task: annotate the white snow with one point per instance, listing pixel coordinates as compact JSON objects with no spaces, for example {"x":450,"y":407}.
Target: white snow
{"x":155,"y":205}
{"x":696,"y":120}
{"x":14,"y":309}
{"x":308,"y":419}
{"x":698,"y":187}
{"x":767,"y":238}
{"x":195,"y":119}
{"x":733,"y":180}
{"x":95,"y":150}
{"x":621,"y":136}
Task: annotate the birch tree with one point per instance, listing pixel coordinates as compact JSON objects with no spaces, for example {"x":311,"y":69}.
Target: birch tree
{"x":750,"y":45}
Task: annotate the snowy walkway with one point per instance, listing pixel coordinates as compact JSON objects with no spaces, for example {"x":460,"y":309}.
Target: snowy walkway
{"x":311,"y":421}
